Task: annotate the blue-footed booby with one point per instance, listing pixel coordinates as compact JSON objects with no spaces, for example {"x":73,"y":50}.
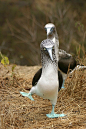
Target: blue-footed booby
{"x":46,"y":85}
{"x":66,"y":60}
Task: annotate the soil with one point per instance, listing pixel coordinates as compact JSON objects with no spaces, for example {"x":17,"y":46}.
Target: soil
{"x":18,"y":112}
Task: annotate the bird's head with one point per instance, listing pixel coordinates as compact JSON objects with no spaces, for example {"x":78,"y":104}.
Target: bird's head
{"x":48,"y":46}
{"x":50,"y":29}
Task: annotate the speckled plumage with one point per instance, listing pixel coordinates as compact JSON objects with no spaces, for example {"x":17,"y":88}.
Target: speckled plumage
{"x":48,"y":84}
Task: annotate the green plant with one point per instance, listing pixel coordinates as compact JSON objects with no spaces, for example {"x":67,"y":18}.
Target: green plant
{"x":4,"y":59}
{"x":5,"y":62}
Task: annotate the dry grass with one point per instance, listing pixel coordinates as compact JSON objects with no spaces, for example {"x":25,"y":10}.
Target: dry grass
{"x":18,"y":112}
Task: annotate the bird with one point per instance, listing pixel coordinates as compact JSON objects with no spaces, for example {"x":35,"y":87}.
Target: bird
{"x":46,"y":85}
{"x":66,"y":60}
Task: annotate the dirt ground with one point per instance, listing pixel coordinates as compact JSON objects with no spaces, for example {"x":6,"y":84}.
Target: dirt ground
{"x":18,"y":112}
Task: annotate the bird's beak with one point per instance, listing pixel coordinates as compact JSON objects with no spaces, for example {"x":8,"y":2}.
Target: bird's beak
{"x":50,"y":53}
{"x":48,"y":31}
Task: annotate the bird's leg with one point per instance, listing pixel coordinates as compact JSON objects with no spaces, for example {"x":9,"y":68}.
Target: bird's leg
{"x":29,"y":95}
{"x":53,"y":115}
{"x":52,"y":112}
{"x":63,"y":84}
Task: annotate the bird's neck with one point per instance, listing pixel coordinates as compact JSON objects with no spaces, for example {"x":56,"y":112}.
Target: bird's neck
{"x":50,"y":71}
{"x":49,"y":66}
{"x":55,"y":39}
{"x":52,"y":37}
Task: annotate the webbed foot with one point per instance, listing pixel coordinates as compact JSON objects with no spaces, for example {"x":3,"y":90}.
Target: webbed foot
{"x":55,"y":115}
{"x":27,"y":95}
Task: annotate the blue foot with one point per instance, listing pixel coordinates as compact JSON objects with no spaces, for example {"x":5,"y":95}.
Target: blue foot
{"x":55,"y":115}
{"x":63,"y":87}
{"x":27,"y":95}
{"x":63,"y":84}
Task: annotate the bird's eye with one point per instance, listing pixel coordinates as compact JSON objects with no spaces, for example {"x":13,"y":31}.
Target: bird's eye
{"x":45,"y":29}
{"x":52,"y":29}
{"x":44,"y":48}
{"x":53,"y":48}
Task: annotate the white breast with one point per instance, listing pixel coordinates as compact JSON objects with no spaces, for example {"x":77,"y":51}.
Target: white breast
{"x":47,"y":86}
